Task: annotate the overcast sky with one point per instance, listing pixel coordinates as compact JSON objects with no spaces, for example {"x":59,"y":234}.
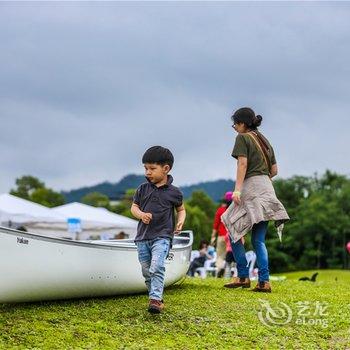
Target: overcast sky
{"x":85,"y":88}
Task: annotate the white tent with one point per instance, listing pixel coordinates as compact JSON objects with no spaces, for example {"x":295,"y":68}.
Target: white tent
{"x":36,"y":218}
{"x":97,"y":219}
{"x":15,"y":212}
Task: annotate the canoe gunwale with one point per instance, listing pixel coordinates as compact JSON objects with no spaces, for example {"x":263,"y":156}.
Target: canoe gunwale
{"x":91,"y":244}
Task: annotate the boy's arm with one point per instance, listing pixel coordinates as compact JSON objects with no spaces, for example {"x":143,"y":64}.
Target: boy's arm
{"x":181,"y":216}
{"x":140,"y":215}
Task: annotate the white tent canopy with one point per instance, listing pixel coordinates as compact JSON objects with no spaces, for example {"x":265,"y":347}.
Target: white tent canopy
{"x":97,"y":217}
{"x":21,"y":211}
{"x":15,"y":212}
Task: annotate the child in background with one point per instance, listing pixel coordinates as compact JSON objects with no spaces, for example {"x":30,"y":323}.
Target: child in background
{"x":200,"y":260}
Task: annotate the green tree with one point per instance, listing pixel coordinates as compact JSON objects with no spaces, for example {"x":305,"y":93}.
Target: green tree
{"x":96,"y":199}
{"x":318,"y":230}
{"x":200,"y":210}
{"x":123,"y":208}
{"x":32,"y":189}
{"x":343,"y":199}
{"x":26,"y":185}
{"x":332,"y":181}
{"x":196,"y":220}
{"x":292,"y":191}
{"x":47,"y":197}
{"x":201,"y":200}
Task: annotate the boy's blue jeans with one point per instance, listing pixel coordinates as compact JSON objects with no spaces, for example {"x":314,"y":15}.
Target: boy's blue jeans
{"x":152,"y":255}
{"x":258,"y":241}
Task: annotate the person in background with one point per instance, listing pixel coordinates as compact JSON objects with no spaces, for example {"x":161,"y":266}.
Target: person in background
{"x":121,"y":235}
{"x":201,"y":259}
{"x":219,"y":233}
{"x":229,"y":259}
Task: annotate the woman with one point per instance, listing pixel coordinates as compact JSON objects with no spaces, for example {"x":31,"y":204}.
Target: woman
{"x":254,"y":199}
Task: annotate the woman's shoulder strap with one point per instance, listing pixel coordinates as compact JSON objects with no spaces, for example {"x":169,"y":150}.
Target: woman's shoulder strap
{"x":262,"y":147}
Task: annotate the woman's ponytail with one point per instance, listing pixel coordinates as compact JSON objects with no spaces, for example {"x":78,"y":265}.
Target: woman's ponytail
{"x":257,"y":121}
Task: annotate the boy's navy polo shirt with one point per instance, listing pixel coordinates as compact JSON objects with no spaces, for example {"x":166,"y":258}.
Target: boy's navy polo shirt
{"x":160,"y":202}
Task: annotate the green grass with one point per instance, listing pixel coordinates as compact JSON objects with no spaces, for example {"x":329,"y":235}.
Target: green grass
{"x":200,"y":314}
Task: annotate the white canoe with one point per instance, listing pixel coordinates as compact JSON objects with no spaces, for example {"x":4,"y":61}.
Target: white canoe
{"x":34,"y":267}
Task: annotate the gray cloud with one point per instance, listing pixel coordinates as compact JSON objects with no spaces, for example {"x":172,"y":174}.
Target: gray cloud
{"x":87,"y":87}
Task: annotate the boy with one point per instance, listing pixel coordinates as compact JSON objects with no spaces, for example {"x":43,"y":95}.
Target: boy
{"x":153,"y":204}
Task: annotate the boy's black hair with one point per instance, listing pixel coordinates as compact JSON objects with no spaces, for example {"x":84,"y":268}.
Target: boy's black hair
{"x":158,"y":155}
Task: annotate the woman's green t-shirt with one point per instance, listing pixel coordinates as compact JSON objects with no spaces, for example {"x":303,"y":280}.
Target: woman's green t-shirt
{"x":246,"y":147}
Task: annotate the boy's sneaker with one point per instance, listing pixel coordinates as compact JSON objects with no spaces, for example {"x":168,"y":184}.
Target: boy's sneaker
{"x":238,"y":282}
{"x":264,"y":287}
{"x":155,"y":306}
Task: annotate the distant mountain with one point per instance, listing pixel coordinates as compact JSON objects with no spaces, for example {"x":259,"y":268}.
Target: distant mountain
{"x":111,"y":190}
{"x":215,"y":189}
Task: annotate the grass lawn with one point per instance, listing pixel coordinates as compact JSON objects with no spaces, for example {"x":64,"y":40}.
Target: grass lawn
{"x":200,"y":314}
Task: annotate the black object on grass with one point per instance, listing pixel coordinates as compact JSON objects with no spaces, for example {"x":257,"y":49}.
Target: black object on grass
{"x":312,"y":279}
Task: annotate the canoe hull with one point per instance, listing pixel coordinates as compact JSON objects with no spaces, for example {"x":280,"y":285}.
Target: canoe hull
{"x":36,"y":268}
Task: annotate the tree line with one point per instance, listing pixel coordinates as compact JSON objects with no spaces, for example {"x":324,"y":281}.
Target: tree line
{"x":315,"y":237}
